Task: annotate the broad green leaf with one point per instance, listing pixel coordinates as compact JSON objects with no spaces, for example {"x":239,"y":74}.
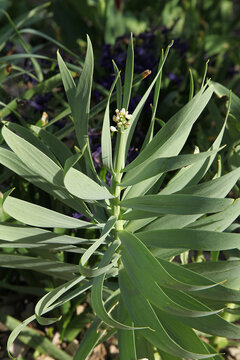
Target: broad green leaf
{"x":57,"y":147}
{"x":181,"y":304}
{"x":126,"y":338}
{"x":193,"y":174}
{"x":171,"y":138}
{"x":10,"y":160}
{"x":80,"y":185}
{"x":72,"y":161}
{"x":190,"y":239}
{"x":53,"y":268}
{"x":172,"y":276}
{"x":161,"y":165}
{"x":36,"y":215}
{"x":176,"y":204}
{"x":156,"y":334}
{"x":216,"y":271}
{"x":143,"y":347}
{"x":28,"y":135}
{"x":97,"y":292}
{"x":35,"y":159}
{"x":219,"y":221}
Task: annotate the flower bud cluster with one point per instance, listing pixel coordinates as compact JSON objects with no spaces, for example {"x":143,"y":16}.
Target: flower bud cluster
{"x":121,"y":118}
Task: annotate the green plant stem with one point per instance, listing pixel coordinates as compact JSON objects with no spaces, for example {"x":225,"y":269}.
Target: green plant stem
{"x":120,"y":161}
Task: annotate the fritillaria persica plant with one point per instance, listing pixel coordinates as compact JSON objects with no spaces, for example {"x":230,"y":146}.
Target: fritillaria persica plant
{"x":145,"y":218}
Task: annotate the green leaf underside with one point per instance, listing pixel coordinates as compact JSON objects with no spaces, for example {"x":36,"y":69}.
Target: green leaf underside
{"x":190,"y":239}
{"x":80,"y":185}
{"x":35,"y":159}
{"x":10,"y":160}
{"x":36,"y":215}
{"x":176,"y":204}
{"x":54,"y":268}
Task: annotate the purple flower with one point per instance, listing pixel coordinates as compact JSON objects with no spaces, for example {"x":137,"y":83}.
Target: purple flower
{"x":175,"y":78}
{"x":77,"y":215}
{"x":96,"y":157}
{"x":40,"y":102}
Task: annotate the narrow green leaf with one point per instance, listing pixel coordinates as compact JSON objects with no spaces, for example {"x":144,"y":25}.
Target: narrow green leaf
{"x":91,"y":250}
{"x":172,"y":276}
{"x":157,"y":335}
{"x":68,"y":82}
{"x":90,"y":339}
{"x":106,"y":142}
{"x":171,"y":138}
{"x":118,"y":86}
{"x":128,"y":79}
{"x":161,"y":165}
{"x":181,"y":304}
{"x":219,"y":221}
{"x":192,"y":175}
{"x":157,"y":89}
{"x":35,"y":339}
{"x":48,"y":299}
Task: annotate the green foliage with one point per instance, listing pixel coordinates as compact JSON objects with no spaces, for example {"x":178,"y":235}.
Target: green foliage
{"x":138,"y":288}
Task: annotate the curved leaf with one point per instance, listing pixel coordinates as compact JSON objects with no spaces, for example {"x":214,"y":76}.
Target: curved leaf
{"x":36,"y":215}
{"x":80,"y":185}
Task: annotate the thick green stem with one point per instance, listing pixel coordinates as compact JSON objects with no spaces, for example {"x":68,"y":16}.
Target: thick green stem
{"x":120,"y":163}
